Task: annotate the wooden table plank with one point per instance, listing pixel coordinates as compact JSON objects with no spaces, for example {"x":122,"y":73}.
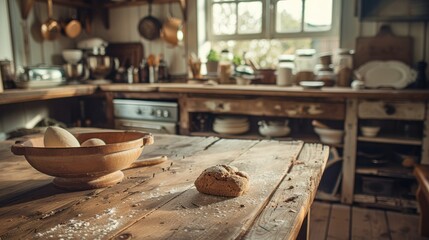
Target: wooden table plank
{"x":289,"y":205}
{"x":195,"y":215}
{"x":319,"y":220}
{"x":369,"y":224}
{"x":339,"y":226}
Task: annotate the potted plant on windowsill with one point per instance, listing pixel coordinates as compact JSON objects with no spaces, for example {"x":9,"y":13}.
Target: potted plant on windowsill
{"x":212,"y":62}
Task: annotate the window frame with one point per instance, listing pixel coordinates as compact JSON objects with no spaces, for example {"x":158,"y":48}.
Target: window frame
{"x":269,"y":23}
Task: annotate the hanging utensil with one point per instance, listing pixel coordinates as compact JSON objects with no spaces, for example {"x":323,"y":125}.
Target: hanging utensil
{"x":149,"y":27}
{"x":51,"y":28}
{"x":172,"y":30}
{"x":72,"y":27}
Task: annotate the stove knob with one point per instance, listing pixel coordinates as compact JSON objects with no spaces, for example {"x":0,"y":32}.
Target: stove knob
{"x":139,"y":111}
{"x":165,"y":113}
{"x":158,"y":113}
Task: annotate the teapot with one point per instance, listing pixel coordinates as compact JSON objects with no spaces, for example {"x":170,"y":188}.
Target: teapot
{"x":274,"y":128}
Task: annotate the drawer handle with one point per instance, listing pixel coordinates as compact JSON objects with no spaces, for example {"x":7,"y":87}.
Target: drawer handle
{"x":389,"y":109}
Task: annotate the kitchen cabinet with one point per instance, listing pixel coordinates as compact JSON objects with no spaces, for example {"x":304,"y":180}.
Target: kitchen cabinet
{"x":378,"y":169}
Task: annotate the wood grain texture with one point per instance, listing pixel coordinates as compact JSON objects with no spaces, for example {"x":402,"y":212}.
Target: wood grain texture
{"x":403,"y":226}
{"x":194,"y":215}
{"x":369,"y":224}
{"x":339,"y":226}
{"x":289,"y":205}
{"x":161,"y":201}
{"x":319,"y":220}
{"x":350,"y":146}
{"x":25,"y":95}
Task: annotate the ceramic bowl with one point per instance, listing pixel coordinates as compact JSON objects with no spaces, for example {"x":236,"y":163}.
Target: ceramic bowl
{"x":274,"y":131}
{"x":369,"y":131}
{"x":330,"y":136}
{"x":72,"y":56}
{"x":79,"y":168}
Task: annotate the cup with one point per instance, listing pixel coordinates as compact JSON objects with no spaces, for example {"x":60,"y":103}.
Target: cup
{"x":284,"y":76}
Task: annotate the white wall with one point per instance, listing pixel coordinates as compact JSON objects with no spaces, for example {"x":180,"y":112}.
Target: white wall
{"x":5,"y":36}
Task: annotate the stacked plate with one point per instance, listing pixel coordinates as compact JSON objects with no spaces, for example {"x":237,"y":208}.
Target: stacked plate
{"x":231,"y":125}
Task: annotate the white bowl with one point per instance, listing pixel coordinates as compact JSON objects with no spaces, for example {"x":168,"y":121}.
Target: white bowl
{"x":72,"y":56}
{"x":274,"y":131}
{"x":330,"y":136}
{"x":369,"y":131}
{"x":230,"y":130}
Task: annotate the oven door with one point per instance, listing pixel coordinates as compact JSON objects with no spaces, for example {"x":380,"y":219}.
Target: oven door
{"x":146,"y":126}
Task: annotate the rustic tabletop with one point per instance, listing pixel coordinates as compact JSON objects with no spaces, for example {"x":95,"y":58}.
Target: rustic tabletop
{"x":161,"y":201}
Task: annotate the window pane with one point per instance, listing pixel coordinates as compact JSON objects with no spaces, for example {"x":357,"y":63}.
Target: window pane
{"x":288,"y":16}
{"x":224,"y":18}
{"x":249,"y":17}
{"x":318,"y":15}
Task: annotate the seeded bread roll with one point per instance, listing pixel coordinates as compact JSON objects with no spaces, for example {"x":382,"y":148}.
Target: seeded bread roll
{"x":222,"y":180}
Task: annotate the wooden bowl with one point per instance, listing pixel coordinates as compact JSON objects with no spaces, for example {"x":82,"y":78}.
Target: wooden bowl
{"x":80,"y":168}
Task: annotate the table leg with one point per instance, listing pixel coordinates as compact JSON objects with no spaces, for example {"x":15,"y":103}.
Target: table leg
{"x":304,"y":232}
{"x":424,"y":212}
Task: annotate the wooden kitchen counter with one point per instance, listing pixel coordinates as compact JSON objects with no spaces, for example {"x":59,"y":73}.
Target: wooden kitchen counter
{"x":171,"y":90}
{"x":161,"y":201}
{"x":269,"y":90}
{"x":26,"y":95}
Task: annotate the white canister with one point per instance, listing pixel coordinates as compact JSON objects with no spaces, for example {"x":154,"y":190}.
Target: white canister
{"x":284,"y":76}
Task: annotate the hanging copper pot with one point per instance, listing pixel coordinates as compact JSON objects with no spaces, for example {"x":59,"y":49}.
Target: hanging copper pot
{"x":50,"y":29}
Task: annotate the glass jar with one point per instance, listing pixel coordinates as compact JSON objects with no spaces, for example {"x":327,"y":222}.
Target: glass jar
{"x":304,"y":60}
{"x":225,"y":67}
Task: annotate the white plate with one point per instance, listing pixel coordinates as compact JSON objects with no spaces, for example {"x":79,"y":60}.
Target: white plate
{"x":394,"y":74}
{"x":39,"y":83}
{"x":312,"y":84}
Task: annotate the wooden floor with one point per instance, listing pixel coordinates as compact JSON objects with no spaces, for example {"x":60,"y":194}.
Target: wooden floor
{"x":336,"y":221}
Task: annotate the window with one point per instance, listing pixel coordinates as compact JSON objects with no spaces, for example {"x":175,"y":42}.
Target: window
{"x":267,"y":19}
{"x":265,"y":29}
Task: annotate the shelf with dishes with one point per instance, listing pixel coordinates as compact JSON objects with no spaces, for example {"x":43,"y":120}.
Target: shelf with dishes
{"x":261,"y":127}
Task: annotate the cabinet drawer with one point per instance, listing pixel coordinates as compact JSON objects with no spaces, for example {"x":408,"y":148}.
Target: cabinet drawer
{"x":391,"y":110}
{"x":232,"y":106}
{"x":303,"y":109}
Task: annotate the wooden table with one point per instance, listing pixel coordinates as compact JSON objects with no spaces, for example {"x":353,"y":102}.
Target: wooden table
{"x":161,"y":201}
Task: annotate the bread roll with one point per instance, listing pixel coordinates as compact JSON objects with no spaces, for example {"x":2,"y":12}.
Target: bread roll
{"x":222,"y":180}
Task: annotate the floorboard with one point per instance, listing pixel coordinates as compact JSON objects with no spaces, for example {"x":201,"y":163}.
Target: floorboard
{"x":336,"y":221}
{"x":339,"y":222}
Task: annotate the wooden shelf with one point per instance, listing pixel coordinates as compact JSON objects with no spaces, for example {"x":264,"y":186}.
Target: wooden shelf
{"x":387,"y":171}
{"x":391,"y":140}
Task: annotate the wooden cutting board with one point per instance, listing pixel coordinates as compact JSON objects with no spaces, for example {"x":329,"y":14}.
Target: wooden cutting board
{"x":383,"y":46}
{"x":128,"y":53}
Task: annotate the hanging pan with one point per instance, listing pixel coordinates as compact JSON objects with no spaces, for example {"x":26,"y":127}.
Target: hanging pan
{"x":172,"y":30}
{"x":150,"y":27}
{"x":51,"y":28}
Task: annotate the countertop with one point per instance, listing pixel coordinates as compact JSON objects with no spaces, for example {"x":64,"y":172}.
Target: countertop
{"x":23,"y":95}
{"x":160,"y":201}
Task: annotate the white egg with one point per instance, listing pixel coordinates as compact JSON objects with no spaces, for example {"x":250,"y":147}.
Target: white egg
{"x":93,"y":142}
{"x":58,"y":137}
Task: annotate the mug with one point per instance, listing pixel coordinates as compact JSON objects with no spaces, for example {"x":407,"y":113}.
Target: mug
{"x":284,"y":76}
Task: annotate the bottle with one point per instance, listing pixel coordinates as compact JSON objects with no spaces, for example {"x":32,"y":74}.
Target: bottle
{"x":225,"y":67}
{"x":162,"y":69}
{"x":144,"y":72}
